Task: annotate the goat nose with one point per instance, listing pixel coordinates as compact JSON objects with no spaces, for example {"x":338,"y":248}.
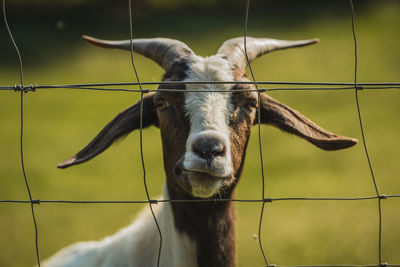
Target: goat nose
{"x":208,"y":147}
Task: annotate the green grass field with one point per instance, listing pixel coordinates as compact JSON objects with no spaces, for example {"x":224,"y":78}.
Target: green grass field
{"x":58,"y":122}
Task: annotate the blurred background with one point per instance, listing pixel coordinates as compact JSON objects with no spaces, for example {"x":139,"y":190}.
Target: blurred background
{"x":59,"y":122}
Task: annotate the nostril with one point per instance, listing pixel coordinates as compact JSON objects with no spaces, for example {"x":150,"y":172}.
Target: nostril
{"x":208,"y":147}
{"x":218,"y":150}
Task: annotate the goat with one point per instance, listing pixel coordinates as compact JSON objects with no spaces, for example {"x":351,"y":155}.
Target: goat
{"x":204,"y":129}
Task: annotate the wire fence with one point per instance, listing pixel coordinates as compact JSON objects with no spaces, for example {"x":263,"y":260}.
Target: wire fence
{"x":355,"y":86}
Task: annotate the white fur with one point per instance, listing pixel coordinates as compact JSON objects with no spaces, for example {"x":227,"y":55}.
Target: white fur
{"x":134,"y":246}
{"x":209,"y":112}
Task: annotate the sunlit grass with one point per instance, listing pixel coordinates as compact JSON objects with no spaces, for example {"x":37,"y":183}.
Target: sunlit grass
{"x":61,"y":121}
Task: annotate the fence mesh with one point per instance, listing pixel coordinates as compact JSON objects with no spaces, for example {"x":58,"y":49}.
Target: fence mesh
{"x":355,"y":86}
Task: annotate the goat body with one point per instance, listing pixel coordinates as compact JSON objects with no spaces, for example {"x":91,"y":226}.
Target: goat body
{"x":135,"y":245}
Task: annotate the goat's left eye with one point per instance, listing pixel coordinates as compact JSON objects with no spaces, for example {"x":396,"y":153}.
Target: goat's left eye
{"x":161,"y":104}
{"x":252,"y":105}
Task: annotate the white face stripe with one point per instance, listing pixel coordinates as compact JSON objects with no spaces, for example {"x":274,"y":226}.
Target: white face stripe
{"x":208,"y":110}
{"x":208,"y":113}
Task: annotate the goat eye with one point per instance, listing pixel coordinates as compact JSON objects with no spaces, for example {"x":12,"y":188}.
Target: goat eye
{"x":251,"y":105}
{"x":161,"y":104}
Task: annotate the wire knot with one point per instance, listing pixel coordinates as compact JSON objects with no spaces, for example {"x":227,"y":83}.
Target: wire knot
{"x":383,"y":196}
{"x":35,"y":201}
{"x":268,"y":200}
{"x":153,"y":201}
{"x":359,"y":87}
{"x":262,"y":90}
{"x":25,"y":88}
{"x":383,"y":264}
{"x":145,"y":91}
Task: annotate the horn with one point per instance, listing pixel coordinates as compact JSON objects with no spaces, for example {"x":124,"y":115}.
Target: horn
{"x":256,"y":47}
{"x":161,"y":50}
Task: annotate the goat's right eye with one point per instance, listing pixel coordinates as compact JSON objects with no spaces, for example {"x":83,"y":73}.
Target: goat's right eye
{"x":161,"y":104}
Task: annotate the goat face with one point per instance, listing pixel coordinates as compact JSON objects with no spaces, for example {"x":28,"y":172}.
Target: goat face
{"x":205,"y":127}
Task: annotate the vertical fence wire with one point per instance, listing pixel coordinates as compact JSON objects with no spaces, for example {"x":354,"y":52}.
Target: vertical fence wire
{"x":21,"y":77}
{"x":246,"y":20}
{"x":356,"y":89}
{"x":141,"y":132}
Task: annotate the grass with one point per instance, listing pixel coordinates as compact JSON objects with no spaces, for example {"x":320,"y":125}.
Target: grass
{"x":59,"y":122}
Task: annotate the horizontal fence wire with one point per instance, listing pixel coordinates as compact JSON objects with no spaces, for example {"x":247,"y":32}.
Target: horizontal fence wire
{"x":295,"y":86}
{"x":269,"y":87}
{"x":376,"y":265}
{"x":156,"y":201}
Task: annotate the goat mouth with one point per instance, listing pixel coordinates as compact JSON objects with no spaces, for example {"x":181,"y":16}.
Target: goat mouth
{"x":199,"y":183}
{"x":181,"y":171}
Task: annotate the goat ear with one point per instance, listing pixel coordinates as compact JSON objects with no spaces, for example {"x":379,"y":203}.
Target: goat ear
{"x":124,"y":123}
{"x":291,"y":121}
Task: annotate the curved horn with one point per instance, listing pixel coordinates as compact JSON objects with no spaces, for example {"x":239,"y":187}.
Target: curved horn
{"x":161,"y":50}
{"x":256,"y":47}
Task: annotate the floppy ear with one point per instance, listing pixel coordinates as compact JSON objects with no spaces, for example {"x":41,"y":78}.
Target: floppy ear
{"x":124,"y":123}
{"x":291,"y":121}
